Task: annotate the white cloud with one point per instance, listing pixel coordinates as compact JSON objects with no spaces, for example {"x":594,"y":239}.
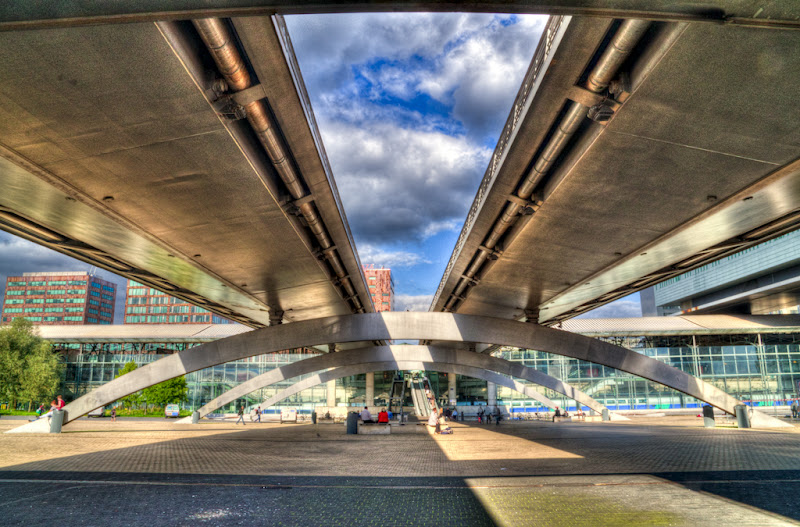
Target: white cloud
{"x":401,"y":185}
{"x":412,"y":302}
{"x":370,"y":254}
{"x":617,"y":309}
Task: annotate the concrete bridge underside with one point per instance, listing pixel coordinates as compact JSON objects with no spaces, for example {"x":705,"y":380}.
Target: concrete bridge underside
{"x":445,"y":327}
{"x":393,"y":357}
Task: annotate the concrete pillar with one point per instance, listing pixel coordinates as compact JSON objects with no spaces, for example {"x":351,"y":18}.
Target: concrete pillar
{"x":370,"y":394}
{"x":332,"y":393}
{"x":491,"y":394}
{"x":451,"y":388}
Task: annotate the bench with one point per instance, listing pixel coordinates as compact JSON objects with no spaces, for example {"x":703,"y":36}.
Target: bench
{"x":374,"y":429}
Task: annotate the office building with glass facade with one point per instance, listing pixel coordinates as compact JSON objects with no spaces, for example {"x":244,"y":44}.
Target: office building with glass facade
{"x":145,"y":305}
{"x":764,"y":279}
{"x":59,"y":298}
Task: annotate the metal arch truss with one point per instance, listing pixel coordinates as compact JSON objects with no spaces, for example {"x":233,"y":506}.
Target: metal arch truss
{"x":405,"y":326}
{"x":395,"y":358}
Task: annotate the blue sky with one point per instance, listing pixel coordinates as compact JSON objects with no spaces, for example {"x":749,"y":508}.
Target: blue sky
{"x":409,"y":107}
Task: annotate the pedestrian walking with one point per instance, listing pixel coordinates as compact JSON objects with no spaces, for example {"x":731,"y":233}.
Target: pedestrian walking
{"x":498,"y":415}
{"x":114,"y":415}
{"x":258,"y":414}
{"x":454,"y":414}
{"x":241,"y":416}
{"x":794,"y":409}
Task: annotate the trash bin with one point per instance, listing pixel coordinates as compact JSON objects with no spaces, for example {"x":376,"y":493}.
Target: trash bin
{"x":195,"y":417}
{"x":352,"y":423}
{"x":708,"y":416}
{"x":314,"y":417}
{"x":56,"y":420}
{"x":606,"y":416}
{"x":742,"y":417}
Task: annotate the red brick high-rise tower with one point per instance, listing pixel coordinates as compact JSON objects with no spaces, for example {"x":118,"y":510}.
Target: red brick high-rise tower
{"x":381,"y":287}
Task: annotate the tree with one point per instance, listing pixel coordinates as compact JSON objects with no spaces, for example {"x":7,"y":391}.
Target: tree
{"x":135,"y":398}
{"x":29,"y":370}
{"x":167,"y":392}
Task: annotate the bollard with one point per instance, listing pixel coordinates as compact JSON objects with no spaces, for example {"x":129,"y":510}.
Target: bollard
{"x":708,"y":417}
{"x":56,"y":420}
{"x":742,"y":417}
{"x":352,"y":423}
{"x":606,"y":416}
{"x":314,"y":417}
{"x":195,"y":417}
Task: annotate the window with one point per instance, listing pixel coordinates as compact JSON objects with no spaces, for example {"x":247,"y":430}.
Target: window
{"x":53,"y":309}
{"x":33,"y":309}
{"x":56,"y":282}
{"x":371,"y":278}
{"x":15,"y":301}
{"x":36,"y":283}
{"x":34,"y":319}
{"x":74,"y":300}
{"x":107,"y":297}
{"x":57,"y":292}
{"x":52,"y":319}
{"x":76,"y":291}
{"x":76,"y":282}
{"x":107,"y":306}
{"x":73,"y":319}
{"x":12,"y":293}
{"x":92,"y":320}
{"x":94,"y":302}
{"x":179,"y":318}
{"x":73,"y":310}
{"x":157,"y":319}
{"x":162,"y":309}
{"x":54,"y":301}
{"x":13,"y":310}
{"x":93,"y":311}
{"x":36,"y":291}
{"x":133,"y":283}
{"x":134,"y":319}
{"x":109,"y":288}
{"x":372,"y":286}
{"x":12,"y":284}
{"x":137,"y":292}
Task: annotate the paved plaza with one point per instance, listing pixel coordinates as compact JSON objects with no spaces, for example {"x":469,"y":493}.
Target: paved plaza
{"x":652,"y":471}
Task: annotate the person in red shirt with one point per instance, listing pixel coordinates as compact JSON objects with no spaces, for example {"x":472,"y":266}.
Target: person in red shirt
{"x":58,"y":404}
{"x":383,"y":416}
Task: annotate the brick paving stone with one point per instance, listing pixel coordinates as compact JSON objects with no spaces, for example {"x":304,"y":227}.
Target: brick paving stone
{"x":667,"y":471}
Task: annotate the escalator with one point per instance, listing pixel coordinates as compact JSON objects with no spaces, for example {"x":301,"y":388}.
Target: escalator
{"x":397,"y":396}
{"x":422,"y":394}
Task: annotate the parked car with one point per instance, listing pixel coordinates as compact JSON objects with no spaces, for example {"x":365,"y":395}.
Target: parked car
{"x":172,"y":410}
{"x":97,"y":412}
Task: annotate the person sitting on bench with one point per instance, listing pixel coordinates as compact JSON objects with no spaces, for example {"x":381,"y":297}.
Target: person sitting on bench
{"x":366,"y":417}
{"x":383,"y":417}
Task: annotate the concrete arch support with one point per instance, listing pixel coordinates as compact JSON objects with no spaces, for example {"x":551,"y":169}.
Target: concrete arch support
{"x":407,"y":325}
{"x":391,"y":357}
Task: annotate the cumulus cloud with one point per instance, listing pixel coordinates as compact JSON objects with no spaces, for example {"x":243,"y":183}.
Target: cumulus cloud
{"x":407,"y":104}
{"x":371,"y":254}
{"x":618,"y":309}
{"x":412,"y":302}
{"x":402,"y":185}
{"x":18,"y":256}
